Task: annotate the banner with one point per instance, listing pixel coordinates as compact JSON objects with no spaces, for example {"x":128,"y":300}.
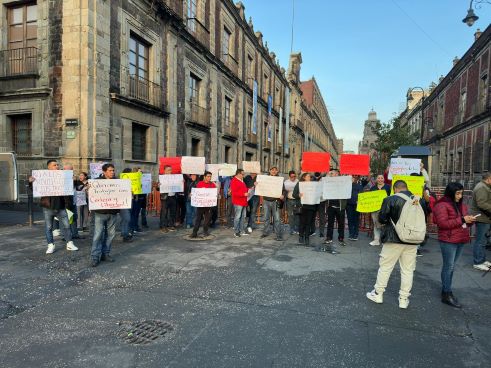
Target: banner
{"x":214,"y":169}
{"x":52,"y":183}
{"x":254,"y":107}
{"x":193,"y":165}
{"x":227,"y":170}
{"x":370,"y":201}
{"x":316,"y":162}
{"x":415,"y":184}
{"x":287,"y":120}
{"x":95,"y":169}
{"x":311,"y":192}
{"x":109,"y":194}
{"x":174,"y":162}
{"x":171,"y":183}
{"x":269,"y":186}
{"x":280,"y":127}
{"x":204,"y":197}
{"x":251,"y":166}
{"x":136,"y":181}
{"x":80,"y":198}
{"x":350,"y":164}
{"x":146,"y":183}
{"x":336,"y":187}
{"x":404,"y":166}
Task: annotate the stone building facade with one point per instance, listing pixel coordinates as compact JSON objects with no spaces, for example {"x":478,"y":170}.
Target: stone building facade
{"x":369,"y":137}
{"x":128,"y":81}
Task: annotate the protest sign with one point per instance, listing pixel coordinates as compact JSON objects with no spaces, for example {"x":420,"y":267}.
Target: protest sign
{"x":80,"y":198}
{"x":227,"y":169}
{"x":214,"y":169}
{"x":193,"y":165}
{"x":316,"y":162}
{"x":370,"y":201}
{"x":404,"y":166}
{"x":51,"y":183}
{"x":171,"y":183}
{"x":174,"y":162}
{"x":251,"y":166}
{"x":136,"y":181}
{"x":311,"y":192}
{"x":269,"y":186}
{"x":204,"y":197}
{"x":95,"y":169}
{"x":350,"y":164}
{"x":109,"y":194}
{"x":336,"y":187}
{"x":146,"y":183}
{"x":415,"y":184}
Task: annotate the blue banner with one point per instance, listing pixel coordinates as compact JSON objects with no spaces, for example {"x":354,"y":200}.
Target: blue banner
{"x":287,"y":121}
{"x":254,"y":108}
{"x":270,"y":105}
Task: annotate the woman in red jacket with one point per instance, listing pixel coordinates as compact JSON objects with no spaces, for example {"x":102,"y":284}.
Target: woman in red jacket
{"x":239,"y":192}
{"x":452,"y":219}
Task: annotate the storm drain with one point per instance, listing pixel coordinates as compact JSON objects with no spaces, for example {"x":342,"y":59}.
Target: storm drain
{"x":144,"y":332}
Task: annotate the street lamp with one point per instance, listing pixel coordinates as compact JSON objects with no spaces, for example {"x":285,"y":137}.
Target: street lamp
{"x":471,"y":16}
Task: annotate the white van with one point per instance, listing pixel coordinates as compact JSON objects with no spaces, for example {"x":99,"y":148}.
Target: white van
{"x":9,"y":179}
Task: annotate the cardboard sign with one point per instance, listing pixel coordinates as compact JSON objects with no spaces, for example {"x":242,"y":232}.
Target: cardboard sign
{"x":311,"y":192}
{"x":214,"y":169}
{"x":404,"y":166}
{"x":251,"y":167}
{"x":415,"y":184}
{"x":204,"y":197}
{"x":174,"y":162}
{"x":136,"y":181}
{"x":336,"y":187}
{"x":227,"y":170}
{"x":80,"y":198}
{"x":193,"y":165}
{"x":171,"y":183}
{"x":269,"y":186}
{"x":316,"y":162}
{"x":350,"y":164}
{"x":95,"y":169}
{"x":52,"y":183}
{"x":146,"y":183}
{"x":109,"y":194}
{"x":370,"y":201}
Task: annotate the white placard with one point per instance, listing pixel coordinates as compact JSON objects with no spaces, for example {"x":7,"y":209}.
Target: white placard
{"x":146,"y":183}
{"x":214,"y":169}
{"x":269,"y":186}
{"x":52,"y":183}
{"x":311,"y":192}
{"x":80,"y":198}
{"x":336,"y":187}
{"x":109,"y":194}
{"x":95,"y":169}
{"x":251,"y":167}
{"x":193,"y":165}
{"x":404,"y":166}
{"x":171,"y":183}
{"x":204,"y":197}
{"x":228,"y":170}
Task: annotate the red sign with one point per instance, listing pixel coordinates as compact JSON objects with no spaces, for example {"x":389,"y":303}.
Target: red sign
{"x":350,"y":164}
{"x":316,"y":162}
{"x":174,"y":162}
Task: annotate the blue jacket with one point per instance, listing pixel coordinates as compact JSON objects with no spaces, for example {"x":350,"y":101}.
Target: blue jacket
{"x":356,"y":188}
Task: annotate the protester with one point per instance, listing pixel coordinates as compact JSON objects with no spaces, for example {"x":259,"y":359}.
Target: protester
{"x":135,"y":210}
{"x":82,"y":210}
{"x":191,"y":181}
{"x":125,"y":215}
{"x":307,"y":214}
{"x":393,"y":248}
{"x":379,"y":185}
{"x":271,"y":207}
{"x":239,"y":192}
{"x":452,"y":218}
{"x":229,"y":207}
{"x":203,"y":211}
{"x":481,"y":206}
{"x":293,"y":205}
{"x":253,"y":202}
{"x":351,"y":212}
{"x":335,"y":212}
{"x":71,"y":206}
{"x":142,"y":204}
{"x":424,"y":173}
{"x":167,"y":207}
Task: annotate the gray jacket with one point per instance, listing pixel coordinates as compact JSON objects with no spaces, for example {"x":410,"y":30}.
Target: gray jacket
{"x":481,"y":202}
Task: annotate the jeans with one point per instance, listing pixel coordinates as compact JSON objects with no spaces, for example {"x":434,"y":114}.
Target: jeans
{"x":62,"y":216}
{"x":239,"y":218}
{"x":338,"y":215}
{"x":125,"y":214}
{"x":102,"y":223}
{"x":168,"y":212}
{"x":321,"y":210}
{"x":293,"y":218}
{"x":306,"y":218}
{"x":83,"y":216}
{"x":253,"y":204}
{"x":478,"y":249}
{"x":353,"y":220}
{"x":450,"y":253}
{"x":229,"y":214}
{"x":190,"y":213}
{"x":201,"y":212}
{"x":271,"y":210}
{"x":134,"y":214}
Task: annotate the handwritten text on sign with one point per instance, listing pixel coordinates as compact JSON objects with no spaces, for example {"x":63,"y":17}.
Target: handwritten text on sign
{"x":269,"y":186}
{"x":52,"y":183}
{"x":415,"y":184}
{"x":204,"y":197}
{"x":171,"y":183}
{"x":404,"y":166}
{"x":109,"y":194}
{"x":311,"y":192}
{"x":193,"y":165}
{"x":95,"y":169}
{"x":146,"y":183}
{"x":136,"y":181}
{"x":336,"y":187}
{"x":370,"y":201}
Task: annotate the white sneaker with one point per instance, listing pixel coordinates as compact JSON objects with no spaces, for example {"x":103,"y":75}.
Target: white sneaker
{"x":56,"y":232}
{"x":71,"y":246}
{"x":403,"y":303}
{"x":249,"y":229}
{"x":374,"y":297}
{"x":242,"y":234}
{"x":51,"y":248}
{"x":487,"y":263}
{"x":374,"y":243}
{"x":482,"y":267}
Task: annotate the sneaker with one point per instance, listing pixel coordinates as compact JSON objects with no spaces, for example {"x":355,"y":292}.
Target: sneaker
{"x":355,"y":239}
{"x":172,"y":228}
{"x":56,"y":232}
{"x":403,"y":303}
{"x":419,"y":253}
{"x":487,"y":263}
{"x":188,"y":226}
{"x":51,"y":248}
{"x":481,"y":267}
{"x":71,"y":246}
{"x":342,"y":243}
{"x":249,"y":229}
{"x":374,"y":243}
{"x":375,"y":297}
{"x":328,"y":241}
{"x":107,"y":258}
{"x":237,"y":235}
{"x":330,"y":249}
{"x":242,"y":234}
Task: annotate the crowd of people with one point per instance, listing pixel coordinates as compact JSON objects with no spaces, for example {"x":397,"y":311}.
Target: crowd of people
{"x":399,"y":226}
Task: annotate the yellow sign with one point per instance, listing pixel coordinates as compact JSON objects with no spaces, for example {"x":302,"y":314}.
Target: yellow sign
{"x":370,"y":201}
{"x":415,"y":184}
{"x":136,"y":181}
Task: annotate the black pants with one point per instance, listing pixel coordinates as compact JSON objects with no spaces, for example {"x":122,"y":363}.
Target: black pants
{"x":307,"y":217}
{"x":200,"y":212}
{"x":338,"y":215}
{"x":321,"y":210}
{"x":168,"y":212}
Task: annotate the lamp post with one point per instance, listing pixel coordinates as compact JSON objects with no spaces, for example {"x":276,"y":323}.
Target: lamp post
{"x":471,"y":17}
{"x":410,"y":98}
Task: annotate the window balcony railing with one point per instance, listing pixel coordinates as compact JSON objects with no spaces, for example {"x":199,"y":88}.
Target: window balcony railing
{"x":199,"y":115}
{"x":143,"y":90}
{"x":251,"y":138}
{"x":267,"y":144}
{"x":199,"y":31}
{"x":19,"y":62}
{"x":231,"y":63}
{"x":230,"y":129}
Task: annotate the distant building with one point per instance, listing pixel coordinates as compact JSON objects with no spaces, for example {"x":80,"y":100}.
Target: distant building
{"x":369,"y":136}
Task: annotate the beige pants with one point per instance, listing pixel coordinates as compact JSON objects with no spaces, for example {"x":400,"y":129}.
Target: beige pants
{"x":376,"y":226}
{"x":391,"y":253}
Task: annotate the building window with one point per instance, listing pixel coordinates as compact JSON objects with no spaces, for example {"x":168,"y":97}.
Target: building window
{"x":138,"y":57}
{"x":192,"y":11}
{"x":227,"y":36}
{"x":194,"y":83}
{"x":21,"y":134}
{"x":266,"y":86}
{"x":139,"y":141}
{"x":195,"y":147}
{"x":463,"y":100}
{"x":227,"y":152}
{"x":249,"y":122}
{"x":458,"y":164}
{"x":483,"y":92}
{"x":228,"y":105}
{"x":468,"y":159}
{"x":22,"y":26}
{"x":478,"y":156}
{"x":249,"y":156}
{"x":250,"y":67}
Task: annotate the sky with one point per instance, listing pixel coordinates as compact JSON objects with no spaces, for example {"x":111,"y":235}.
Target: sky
{"x":366,"y":54}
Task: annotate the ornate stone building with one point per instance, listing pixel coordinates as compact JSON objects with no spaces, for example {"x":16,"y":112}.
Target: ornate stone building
{"x":369,"y":136}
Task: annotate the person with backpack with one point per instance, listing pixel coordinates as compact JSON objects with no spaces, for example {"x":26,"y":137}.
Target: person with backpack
{"x":404,"y":228}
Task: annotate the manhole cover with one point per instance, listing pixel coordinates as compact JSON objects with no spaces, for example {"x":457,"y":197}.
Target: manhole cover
{"x":144,"y":332}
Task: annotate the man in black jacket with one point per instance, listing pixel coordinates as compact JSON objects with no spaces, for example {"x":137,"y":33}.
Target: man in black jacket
{"x":394,"y":249}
